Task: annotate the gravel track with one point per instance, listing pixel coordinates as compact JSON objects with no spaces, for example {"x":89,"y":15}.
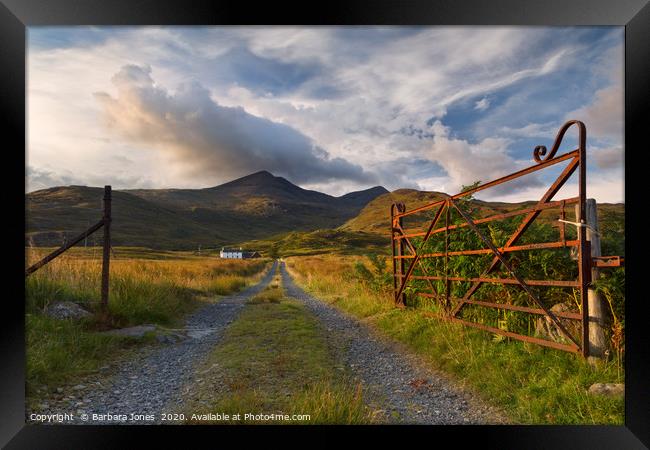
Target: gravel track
{"x":393,"y":378}
{"x":153,"y":384}
{"x":396,"y":382}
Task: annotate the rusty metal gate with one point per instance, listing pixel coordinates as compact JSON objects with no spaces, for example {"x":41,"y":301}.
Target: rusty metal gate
{"x":408,"y":260}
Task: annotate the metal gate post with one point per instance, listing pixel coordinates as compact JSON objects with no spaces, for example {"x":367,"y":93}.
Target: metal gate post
{"x":584,"y":252}
{"x":447,"y":282}
{"x":400,"y":221}
{"x":392,"y":241}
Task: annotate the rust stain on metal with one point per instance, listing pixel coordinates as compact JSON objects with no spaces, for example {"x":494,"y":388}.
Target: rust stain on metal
{"x":401,"y":240}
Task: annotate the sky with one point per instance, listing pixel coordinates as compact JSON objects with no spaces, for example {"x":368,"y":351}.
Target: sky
{"x":335,"y":109}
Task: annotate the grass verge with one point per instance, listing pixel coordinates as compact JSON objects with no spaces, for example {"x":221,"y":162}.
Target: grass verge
{"x":534,"y":385}
{"x":274,"y":360}
{"x":150,"y":290}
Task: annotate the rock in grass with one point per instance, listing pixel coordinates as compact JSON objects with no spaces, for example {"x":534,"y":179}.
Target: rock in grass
{"x":66,"y":310}
{"x":546,"y":328}
{"x":609,"y":389}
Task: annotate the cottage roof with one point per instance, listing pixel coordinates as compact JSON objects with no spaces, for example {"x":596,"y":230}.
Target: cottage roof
{"x":239,"y":250}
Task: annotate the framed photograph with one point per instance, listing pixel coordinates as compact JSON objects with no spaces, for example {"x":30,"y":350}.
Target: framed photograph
{"x":361,"y":217}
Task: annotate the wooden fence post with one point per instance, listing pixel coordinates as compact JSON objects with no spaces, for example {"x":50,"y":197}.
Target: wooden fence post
{"x":107,"y":246}
{"x":597,"y":343}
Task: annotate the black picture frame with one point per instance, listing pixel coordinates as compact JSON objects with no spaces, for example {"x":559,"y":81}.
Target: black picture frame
{"x":16,"y":15}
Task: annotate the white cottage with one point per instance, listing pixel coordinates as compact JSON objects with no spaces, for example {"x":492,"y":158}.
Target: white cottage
{"x":231,"y":253}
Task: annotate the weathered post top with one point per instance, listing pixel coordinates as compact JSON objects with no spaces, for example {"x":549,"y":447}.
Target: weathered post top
{"x":107,"y":202}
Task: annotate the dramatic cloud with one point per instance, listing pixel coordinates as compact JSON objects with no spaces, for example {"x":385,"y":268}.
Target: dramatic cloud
{"x":332,"y":108}
{"x":605,"y":114}
{"x":608,"y":158}
{"x":467,"y":163}
{"x":211,"y":139}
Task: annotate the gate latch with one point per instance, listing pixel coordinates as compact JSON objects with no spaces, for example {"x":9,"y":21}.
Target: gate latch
{"x":607,"y":261}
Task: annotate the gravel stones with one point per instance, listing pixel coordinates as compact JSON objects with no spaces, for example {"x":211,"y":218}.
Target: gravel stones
{"x":151,"y":382}
{"x":407,"y":391}
{"x":399,"y":387}
{"x":135,"y":332}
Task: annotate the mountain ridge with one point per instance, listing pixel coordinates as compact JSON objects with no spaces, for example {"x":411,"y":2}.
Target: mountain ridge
{"x":254,"y":206}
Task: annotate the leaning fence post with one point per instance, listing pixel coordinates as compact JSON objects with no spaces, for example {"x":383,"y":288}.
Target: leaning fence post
{"x":597,"y":342}
{"x":107,"y":246}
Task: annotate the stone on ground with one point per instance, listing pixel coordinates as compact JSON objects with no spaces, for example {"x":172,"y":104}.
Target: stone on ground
{"x":66,"y":310}
{"x":609,"y":389}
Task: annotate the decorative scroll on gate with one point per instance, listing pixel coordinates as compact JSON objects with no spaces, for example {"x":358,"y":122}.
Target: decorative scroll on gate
{"x":407,"y":258}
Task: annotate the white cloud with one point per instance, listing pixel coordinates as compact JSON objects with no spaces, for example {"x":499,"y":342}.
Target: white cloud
{"x":607,"y":187}
{"x":210,"y":140}
{"x":482,"y":104}
{"x":536,"y":130}
{"x":466,"y":163}
{"x":604,"y":116}
{"x":362,"y":88}
{"x":608,"y":158}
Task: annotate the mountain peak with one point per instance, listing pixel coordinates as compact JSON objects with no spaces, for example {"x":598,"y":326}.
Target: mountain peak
{"x":261,"y":174}
{"x":261,"y":178}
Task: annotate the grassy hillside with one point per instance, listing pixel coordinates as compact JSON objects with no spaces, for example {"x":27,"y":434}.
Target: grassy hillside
{"x":320,"y":241}
{"x":254,"y":207}
{"x":259,"y":211}
{"x":261,"y":204}
{"x":611,"y":222}
{"x":375,"y":216}
{"x":55,"y":212}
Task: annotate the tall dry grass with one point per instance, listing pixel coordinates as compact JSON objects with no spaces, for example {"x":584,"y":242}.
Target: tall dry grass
{"x":332,"y":278}
{"x":156,"y":290}
{"x":148,"y":288}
